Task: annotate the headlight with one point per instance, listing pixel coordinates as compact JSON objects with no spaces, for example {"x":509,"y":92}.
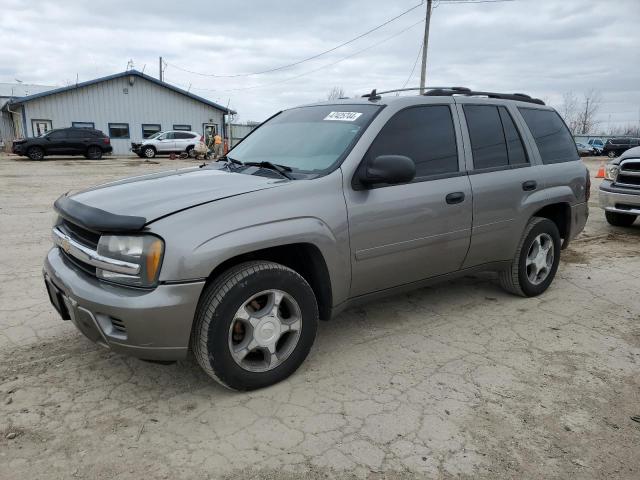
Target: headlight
{"x":143,"y":250}
{"x":611,"y":172}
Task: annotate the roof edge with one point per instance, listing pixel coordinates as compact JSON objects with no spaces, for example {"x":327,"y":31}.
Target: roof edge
{"x":35,"y":96}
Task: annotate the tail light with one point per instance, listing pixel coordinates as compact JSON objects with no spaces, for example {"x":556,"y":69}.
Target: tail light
{"x":107,"y":140}
{"x":202,"y":138}
{"x":587,"y":192}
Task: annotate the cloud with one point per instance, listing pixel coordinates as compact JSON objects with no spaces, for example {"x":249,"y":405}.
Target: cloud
{"x":541,"y":48}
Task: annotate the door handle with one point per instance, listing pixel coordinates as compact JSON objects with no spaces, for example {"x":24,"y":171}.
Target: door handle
{"x":455,"y":197}
{"x":529,"y":185}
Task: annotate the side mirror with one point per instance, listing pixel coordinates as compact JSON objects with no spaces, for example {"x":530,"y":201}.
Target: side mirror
{"x":390,"y":169}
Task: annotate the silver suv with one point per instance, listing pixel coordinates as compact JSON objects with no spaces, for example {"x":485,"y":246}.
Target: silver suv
{"x":321,"y":207}
{"x":173,"y":141}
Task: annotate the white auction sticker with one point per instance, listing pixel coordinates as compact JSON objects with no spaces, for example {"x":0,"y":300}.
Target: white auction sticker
{"x":344,"y":116}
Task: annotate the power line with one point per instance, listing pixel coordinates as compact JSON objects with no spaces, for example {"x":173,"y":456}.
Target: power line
{"x":413,"y":69}
{"x":313,"y":57}
{"x":316,"y":69}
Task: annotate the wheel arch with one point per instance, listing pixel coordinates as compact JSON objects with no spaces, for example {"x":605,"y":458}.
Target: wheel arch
{"x":560,"y":214}
{"x":304,"y":258}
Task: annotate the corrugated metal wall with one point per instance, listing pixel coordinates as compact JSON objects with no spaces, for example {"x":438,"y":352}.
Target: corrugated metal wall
{"x":117,"y":101}
{"x":7,"y":133}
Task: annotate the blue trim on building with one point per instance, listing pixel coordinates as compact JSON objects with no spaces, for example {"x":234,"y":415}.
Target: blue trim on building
{"x":135,"y":73}
{"x":25,"y":133}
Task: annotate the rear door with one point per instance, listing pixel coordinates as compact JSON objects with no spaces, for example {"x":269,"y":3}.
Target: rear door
{"x":502,"y":176}
{"x":405,"y":233}
{"x":183,"y":140}
{"x":77,"y":140}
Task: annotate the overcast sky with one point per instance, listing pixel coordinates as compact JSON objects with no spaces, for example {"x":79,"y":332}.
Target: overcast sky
{"x":539,"y":47}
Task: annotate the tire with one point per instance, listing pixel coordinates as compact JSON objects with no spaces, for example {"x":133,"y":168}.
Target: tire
{"x":611,"y":154}
{"x":516,"y":279}
{"x":94,"y":153}
{"x":188,"y":150}
{"x":148,"y":152}
{"x":619,"y":219}
{"x":217,"y":322}
{"x":35,"y":153}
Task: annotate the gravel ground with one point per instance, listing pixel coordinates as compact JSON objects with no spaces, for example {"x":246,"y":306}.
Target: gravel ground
{"x":459,"y":380}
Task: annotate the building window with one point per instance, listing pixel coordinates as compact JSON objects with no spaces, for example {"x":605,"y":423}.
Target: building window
{"x":186,"y":128}
{"x":83,"y":124}
{"x":40,"y":127}
{"x":119,"y":130}
{"x":149,"y":129}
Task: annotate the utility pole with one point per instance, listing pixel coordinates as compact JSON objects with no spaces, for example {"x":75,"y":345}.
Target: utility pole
{"x":425,"y":45}
{"x":160,"y":72}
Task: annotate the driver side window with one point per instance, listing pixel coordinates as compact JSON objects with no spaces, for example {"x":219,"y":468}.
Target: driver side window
{"x":425,"y":134}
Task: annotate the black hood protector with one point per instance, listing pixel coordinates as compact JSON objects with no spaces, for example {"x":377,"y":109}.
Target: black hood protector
{"x":95,"y":219}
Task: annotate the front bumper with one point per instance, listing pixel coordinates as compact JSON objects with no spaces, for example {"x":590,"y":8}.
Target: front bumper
{"x":18,"y":149}
{"x":619,"y":200}
{"x":148,"y":324}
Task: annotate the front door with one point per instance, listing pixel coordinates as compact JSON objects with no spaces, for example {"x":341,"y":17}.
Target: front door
{"x":166,"y":143}
{"x":210,"y":130}
{"x":405,"y":233}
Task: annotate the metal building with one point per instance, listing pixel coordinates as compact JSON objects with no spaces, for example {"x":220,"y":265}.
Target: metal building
{"x":10,"y":91}
{"x":127,"y":106}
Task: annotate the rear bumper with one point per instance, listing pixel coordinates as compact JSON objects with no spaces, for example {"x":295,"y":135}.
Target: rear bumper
{"x":149,"y":324}
{"x":619,"y":200}
{"x":107,"y":149}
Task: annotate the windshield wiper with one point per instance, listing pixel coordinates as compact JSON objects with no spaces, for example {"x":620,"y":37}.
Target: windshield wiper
{"x":281,"y":169}
{"x":228,"y":159}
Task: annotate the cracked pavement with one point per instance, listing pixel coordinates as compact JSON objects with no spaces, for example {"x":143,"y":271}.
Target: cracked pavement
{"x":458,"y":380}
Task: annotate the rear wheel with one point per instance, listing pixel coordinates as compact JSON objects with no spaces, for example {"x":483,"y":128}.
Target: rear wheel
{"x":254,"y":325}
{"x":620,"y":219}
{"x":148,"y":152}
{"x":35,"y":153}
{"x":536,"y":260}
{"x":94,"y":153}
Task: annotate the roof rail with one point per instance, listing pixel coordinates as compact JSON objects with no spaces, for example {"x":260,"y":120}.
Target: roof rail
{"x":450,"y":91}
{"x":520,"y":97}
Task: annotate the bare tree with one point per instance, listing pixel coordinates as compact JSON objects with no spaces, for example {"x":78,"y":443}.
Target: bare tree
{"x":335,"y":93}
{"x":588,"y":111}
{"x":569,"y":111}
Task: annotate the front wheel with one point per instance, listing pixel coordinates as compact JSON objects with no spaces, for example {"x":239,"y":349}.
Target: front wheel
{"x":35,"y":153}
{"x":536,"y":260}
{"x":149,"y":152}
{"x":254,"y":325}
{"x":619,"y":219}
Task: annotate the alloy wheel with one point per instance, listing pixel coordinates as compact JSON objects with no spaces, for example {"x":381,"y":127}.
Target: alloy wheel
{"x":539,"y":259}
{"x":265,"y":330}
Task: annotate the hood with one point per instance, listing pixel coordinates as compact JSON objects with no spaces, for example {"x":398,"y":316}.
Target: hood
{"x":161,"y":194}
{"x":630,"y":153}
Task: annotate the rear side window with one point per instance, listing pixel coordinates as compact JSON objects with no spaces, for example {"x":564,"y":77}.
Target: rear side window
{"x":424,"y":134}
{"x":182,"y":136}
{"x":552,"y":136}
{"x":515,"y":147}
{"x":487,"y":138}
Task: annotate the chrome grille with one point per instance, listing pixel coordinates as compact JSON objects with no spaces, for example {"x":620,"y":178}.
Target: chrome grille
{"x":82,"y":235}
{"x":629,"y":174}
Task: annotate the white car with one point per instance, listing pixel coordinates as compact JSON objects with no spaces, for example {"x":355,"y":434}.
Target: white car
{"x":172,"y":141}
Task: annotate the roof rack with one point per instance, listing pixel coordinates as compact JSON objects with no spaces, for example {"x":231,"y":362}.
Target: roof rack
{"x":450,"y":91}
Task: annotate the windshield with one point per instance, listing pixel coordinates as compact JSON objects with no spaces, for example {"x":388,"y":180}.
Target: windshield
{"x":306,"y":139}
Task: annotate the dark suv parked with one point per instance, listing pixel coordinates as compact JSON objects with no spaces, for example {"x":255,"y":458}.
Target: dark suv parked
{"x":65,"y":141}
{"x":615,"y":146}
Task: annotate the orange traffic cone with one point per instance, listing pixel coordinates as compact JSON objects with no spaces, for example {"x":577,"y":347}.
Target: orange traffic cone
{"x":600,"y":173}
